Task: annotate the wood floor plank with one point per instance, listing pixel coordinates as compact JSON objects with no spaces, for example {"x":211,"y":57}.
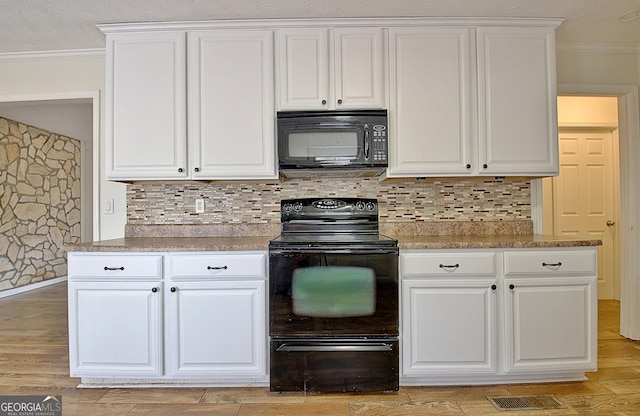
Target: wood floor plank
{"x":285,"y":409}
{"x":226,"y":409}
{"x":413,"y":408}
{"x":153,"y":395}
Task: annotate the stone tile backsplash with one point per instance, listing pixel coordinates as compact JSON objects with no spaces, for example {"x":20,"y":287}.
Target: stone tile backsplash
{"x":39,"y":203}
{"x":401,"y":200}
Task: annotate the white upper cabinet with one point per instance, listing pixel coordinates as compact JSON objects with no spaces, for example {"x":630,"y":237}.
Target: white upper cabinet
{"x":146,"y":106}
{"x":231,"y":104}
{"x":327,"y":69}
{"x":431,"y":93}
{"x":451,"y":115}
{"x":517,"y":101}
{"x":466,"y":97}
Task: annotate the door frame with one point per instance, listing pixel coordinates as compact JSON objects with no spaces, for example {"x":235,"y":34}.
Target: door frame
{"x":629,"y":148}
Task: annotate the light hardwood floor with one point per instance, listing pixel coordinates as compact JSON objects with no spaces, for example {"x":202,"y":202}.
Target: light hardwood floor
{"x":34,"y":361}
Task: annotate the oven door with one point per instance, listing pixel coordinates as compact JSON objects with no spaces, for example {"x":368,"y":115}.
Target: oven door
{"x":335,"y":293}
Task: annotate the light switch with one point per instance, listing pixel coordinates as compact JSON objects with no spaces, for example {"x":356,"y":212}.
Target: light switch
{"x":107,"y":207}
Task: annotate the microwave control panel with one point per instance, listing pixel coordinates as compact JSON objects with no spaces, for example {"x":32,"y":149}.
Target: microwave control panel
{"x":379,"y":143}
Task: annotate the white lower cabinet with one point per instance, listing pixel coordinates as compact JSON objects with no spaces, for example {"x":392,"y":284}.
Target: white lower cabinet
{"x":131,"y":320}
{"x":551,"y":304}
{"x":216,"y":319}
{"x":115,"y":328}
{"x":473,"y":316}
{"x":435,"y":346}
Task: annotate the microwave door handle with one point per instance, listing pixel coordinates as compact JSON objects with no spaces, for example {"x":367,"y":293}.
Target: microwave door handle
{"x":367,"y":133}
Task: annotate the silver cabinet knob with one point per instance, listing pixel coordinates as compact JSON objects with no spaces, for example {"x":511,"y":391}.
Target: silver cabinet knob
{"x":611,"y":223}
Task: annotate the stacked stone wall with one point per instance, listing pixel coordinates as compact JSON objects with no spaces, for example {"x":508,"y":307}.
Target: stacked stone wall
{"x":39,"y":203}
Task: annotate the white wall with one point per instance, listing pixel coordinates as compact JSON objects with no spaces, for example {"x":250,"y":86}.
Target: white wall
{"x":597,"y":66}
{"x":587,"y":111}
{"x":59,"y":76}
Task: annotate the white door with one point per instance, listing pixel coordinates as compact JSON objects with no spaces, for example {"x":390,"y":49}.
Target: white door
{"x":449,"y":327}
{"x":231,"y":98}
{"x":585,"y":198}
{"x":145,"y":115}
{"x":430,"y":110}
{"x":304,"y":69}
{"x":550,"y":324}
{"x":115,"y":329}
{"x":216,"y":329}
{"x":359,"y":68}
{"x":517,"y":101}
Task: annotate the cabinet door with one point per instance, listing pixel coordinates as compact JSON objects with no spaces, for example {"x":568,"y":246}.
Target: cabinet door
{"x":217,"y":329}
{"x":115,"y":329}
{"x":145,"y":110}
{"x":431,"y":94}
{"x":304,"y":69}
{"x":517,"y":101}
{"x":359,"y":68}
{"x":551,"y":324}
{"x":449,"y":327}
{"x":231,"y":117}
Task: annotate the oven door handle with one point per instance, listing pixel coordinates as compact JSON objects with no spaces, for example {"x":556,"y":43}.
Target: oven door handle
{"x":335,"y":347}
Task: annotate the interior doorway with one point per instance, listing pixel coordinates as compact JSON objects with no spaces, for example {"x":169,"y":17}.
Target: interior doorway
{"x":73,"y":115}
{"x":584,"y":200}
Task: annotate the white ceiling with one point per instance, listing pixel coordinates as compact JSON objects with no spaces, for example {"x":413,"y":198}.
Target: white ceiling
{"x":44,"y":25}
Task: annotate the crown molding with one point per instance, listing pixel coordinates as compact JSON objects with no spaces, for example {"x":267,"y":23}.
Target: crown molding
{"x":274,"y":23}
{"x":98,"y":53}
{"x":598,"y":48}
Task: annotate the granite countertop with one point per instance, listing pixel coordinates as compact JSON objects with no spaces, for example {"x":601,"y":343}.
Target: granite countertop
{"x":407,"y":242}
{"x":248,"y":237}
{"x":232,"y":243}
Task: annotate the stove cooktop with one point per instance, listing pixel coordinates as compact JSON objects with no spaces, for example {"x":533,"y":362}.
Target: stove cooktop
{"x":330,"y":222}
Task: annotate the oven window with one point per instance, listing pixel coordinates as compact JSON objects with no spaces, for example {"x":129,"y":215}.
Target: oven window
{"x":334,"y":292}
{"x":326,"y":144}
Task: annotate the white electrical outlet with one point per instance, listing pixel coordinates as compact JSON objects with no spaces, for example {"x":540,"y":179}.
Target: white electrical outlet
{"x":199,"y":206}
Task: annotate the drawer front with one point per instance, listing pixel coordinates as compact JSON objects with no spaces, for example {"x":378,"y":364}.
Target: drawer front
{"x":115,"y":266}
{"x":446,"y":264}
{"x":219,"y":265}
{"x":551,"y":263}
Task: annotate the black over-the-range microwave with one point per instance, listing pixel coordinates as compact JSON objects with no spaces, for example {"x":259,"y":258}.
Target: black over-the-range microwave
{"x":333,"y":140}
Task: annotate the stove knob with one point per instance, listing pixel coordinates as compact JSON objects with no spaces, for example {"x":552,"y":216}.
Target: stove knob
{"x":297,"y":206}
{"x":371,"y":206}
{"x":360,"y":205}
{"x":287,"y":207}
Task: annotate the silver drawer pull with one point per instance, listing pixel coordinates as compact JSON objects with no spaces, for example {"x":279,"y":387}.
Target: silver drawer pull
{"x":113,"y":268}
{"x":217,"y":267}
{"x":449,"y":267}
{"x":558,"y":264}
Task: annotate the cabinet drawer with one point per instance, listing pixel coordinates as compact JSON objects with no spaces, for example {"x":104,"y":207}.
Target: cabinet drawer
{"x":219,"y":265}
{"x":439,"y":264}
{"x":550,"y":262}
{"x":114,"y":266}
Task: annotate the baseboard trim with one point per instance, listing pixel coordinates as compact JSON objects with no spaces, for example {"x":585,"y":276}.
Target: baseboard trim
{"x":33,"y":286}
